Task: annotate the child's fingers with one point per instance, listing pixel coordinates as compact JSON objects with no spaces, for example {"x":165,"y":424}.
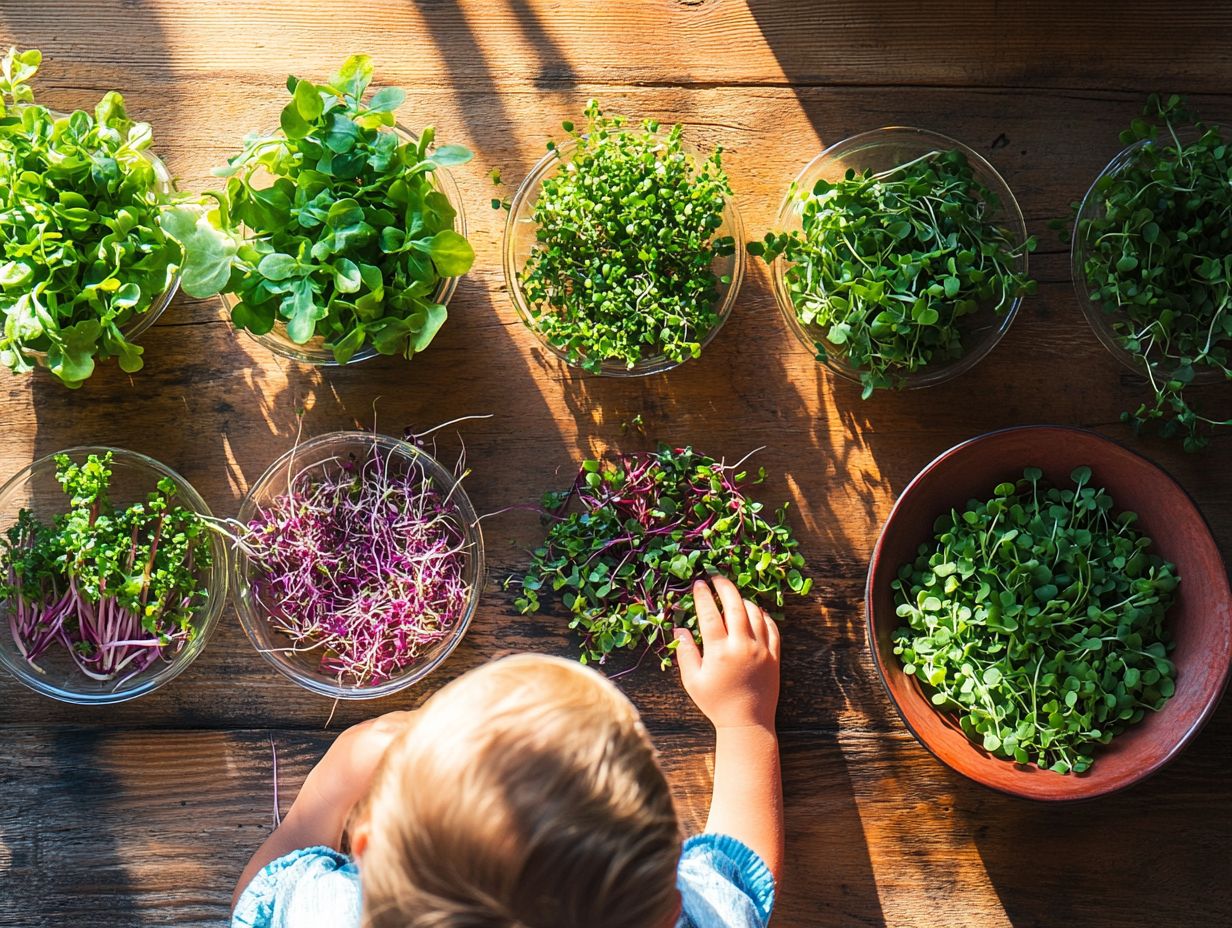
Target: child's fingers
{"x":734,"y":615}
{"x":757,"y":620}
{"x":688,"y":657}
{"x":709,"y":621}
{"x":772,"y":636}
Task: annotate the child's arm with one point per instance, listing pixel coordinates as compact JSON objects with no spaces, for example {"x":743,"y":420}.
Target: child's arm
{"x":331,"y":789}
{"x":735,"y":682}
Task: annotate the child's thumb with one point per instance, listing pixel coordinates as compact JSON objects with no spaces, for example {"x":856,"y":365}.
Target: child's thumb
{"x":688,"y":657}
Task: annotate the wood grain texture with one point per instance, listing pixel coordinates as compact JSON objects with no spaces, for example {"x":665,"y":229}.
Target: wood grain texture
{"x":92,"y":829}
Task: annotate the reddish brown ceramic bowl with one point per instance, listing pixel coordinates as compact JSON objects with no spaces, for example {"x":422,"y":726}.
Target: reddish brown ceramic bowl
{"x":1200,"y":620}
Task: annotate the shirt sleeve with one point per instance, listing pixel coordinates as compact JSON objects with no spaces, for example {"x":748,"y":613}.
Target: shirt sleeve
{"x":315,"y":887}
{"x":723,"y":883}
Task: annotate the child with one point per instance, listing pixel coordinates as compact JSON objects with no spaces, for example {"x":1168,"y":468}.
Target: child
{"x":526,"y":794}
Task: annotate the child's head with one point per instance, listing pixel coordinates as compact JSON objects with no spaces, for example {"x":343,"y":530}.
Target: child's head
{"x":526,"y":793}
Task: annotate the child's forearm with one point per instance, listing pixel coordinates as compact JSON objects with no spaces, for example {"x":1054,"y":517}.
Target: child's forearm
{"x":748,"y":791}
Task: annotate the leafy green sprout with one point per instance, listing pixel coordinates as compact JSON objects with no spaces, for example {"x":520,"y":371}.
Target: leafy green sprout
{"x":622,"y":268}
{"x":333,"y":227}
{"x":888,"y":267}
{"x":1157,"y":260}
{"x":82,"y":254}
{"x":1037,"y":618}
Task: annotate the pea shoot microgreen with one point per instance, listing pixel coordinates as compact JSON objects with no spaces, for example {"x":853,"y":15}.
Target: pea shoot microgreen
{"x":626,"y":240}
{"x":332,"y":227}
{"x":1158,"y":261}
{"x":1037,"y":617}
{"x":81,"y":250}
{"x":646,"y":527}
{"x":887,"y":267}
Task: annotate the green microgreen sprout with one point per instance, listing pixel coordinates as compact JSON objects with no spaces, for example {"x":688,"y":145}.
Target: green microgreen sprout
{"x":1037,"y":618}
{"x":116,"y":590}
{"x":626,"y":244}
{"x":889,"y":268}
{"x":333,"y":227}
{"x":82,"y":254}
{"x":1157,"y":259}
{"x":646,"y":526}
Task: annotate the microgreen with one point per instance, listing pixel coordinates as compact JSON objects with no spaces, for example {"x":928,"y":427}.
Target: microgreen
{"x":362,"y":561}
{"x":888,"y":268}
{"x":622,"y":268}
{"x":82,"y":254}
{"x":647,"y":526}
{"x":1158,"y":260}
{"x":115,"y":589}
{"x":333,"y":227}
{"x":1037,"y":618}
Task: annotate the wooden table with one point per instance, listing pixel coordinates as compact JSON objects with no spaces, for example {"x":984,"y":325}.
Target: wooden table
{"x":144,"y":813}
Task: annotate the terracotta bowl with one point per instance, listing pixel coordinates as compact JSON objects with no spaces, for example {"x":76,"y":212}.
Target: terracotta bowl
{"x":1200,"y":620}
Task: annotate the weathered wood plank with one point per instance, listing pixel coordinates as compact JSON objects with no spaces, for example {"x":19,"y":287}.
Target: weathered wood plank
{"x":557,"y":44}
{"x":152,"y":828}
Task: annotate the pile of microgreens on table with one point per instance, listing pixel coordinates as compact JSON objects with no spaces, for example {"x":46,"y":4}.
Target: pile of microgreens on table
{"x":887,"y":268}
{"x":332,"y":228}
{"x":1158,"y":260}
{"x":82,"y":254}
{"x":626,"y":240}
{"x":1037,"y":617}
{"x":115,"y":590}
{"x":648,"y":526}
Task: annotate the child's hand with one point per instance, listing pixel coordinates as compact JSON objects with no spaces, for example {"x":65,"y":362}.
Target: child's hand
{"x":735,"y":682}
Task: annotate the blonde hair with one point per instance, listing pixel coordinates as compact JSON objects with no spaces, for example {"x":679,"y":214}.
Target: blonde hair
{"x":526,"y":794}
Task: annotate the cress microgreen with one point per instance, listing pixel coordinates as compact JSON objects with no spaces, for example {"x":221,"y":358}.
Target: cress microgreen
{"x":888,"y":266}
{"x":626,"y":240}
{"x":646,"y":527}
{"x":333,"y":227}
{"x":1037,"y":618}
{"x":115,"y":589}
{"x":81,"y":250}
{"x":1157,"y":259}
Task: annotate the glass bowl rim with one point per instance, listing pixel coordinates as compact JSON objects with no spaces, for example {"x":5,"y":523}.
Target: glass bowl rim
{"x":881,"y":137}
{"x":210,"y":613}
{"x":248,"y":614}
{"x":645,"y":367}
{"x":445,"y":289}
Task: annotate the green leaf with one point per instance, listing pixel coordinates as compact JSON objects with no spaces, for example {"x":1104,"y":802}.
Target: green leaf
{"x":308,"y":101}
{"x":435,"y":317}
{"x":208,"y":251}
{"x":451,"y":253}
{"x":278,"y":267}
{"x":354,"y":76}
{"x":387,"y":99}
{"x":448,"y":156}
{"x":346,"y":276}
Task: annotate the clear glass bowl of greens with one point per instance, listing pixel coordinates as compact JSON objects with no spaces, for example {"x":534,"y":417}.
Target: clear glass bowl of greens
{"x":1105,"y":319}
{"x":968,"y":325}
{"x":315,"y":351}
{"x":109,"y":662}
{"x":391,"y":596}
{"x":136,"y":321}
{"x":522,"y":237}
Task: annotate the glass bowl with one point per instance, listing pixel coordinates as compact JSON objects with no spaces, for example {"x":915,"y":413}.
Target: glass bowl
{"x":314,"y":351}
{"x":322,"y":453}
{"x":133,"y":476}
{"x":520,"y":239}
{"x":882,"y":150}
{"x":1101,"y":319}
{"x":138,"y":323}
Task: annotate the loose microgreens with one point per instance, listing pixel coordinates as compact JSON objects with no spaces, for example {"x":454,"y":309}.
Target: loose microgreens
{"x":1037,"y":618}
{"x":334,"y":227}
{"x":626,"y":239}
{"x":648,"y":526}
{"x":887,"y":268}
{"x":114,"y":589}
{"x":1158,"y":260}
{"x":361,"y":562}
{"x":81,"y":250}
